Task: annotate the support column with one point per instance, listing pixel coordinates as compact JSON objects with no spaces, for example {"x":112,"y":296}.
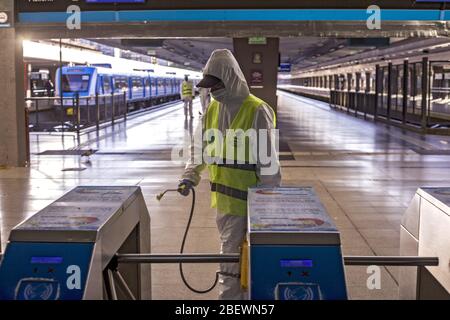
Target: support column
{"x":259,"y":63}
{"x":389,"y":92}
{"x":405,"y":90}
{"x":425,"y":92}
{"x":13,"y":131}
{"x":377,"y":92}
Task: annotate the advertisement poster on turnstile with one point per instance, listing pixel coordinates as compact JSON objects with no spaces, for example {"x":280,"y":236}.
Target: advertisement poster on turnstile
{"x":288,"y":209}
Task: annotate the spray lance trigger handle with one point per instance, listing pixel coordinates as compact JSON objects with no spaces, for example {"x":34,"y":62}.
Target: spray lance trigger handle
{"x":183,"y":188}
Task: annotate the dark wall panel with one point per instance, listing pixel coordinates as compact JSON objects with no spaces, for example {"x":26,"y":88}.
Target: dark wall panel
{"x":61,"y":5}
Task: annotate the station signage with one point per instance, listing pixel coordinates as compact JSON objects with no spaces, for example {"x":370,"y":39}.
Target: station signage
{"x":284,"y":67}
{"x":257,"y":40}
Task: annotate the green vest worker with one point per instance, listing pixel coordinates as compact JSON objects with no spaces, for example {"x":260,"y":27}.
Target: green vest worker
{"x":231,"y":171}
{"x":187,"y":95}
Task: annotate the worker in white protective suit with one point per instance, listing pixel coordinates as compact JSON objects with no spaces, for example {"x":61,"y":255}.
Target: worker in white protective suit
{"x":232,"y":107}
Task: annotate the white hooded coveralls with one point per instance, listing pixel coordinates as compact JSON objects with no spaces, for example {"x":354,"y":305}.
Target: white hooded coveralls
{"x":232,"y":228}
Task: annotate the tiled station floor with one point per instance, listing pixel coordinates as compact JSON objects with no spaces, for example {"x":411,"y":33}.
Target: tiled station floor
{"x":365,"y":174}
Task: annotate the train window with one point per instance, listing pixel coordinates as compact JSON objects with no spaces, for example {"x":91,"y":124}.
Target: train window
{"x":106,"y":84}
{"x":121,"y":83}
{"x":136,"y":83}
{"x":75,"y":82}
{"x":147,"y":84}
{"x":40,"y":84}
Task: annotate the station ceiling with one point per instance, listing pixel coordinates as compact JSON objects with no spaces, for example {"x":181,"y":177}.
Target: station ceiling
{"x":301,"y":52}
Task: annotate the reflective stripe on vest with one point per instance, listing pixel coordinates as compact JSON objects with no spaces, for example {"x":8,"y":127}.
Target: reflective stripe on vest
{"x":231,"y":178}
{"x":186,"y":89}
{"x":240,"y":166}
{"x":234,"y":193}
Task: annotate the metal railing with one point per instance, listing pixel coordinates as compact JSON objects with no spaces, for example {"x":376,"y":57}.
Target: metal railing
{"x":369,"y":104}
{"x":358,"y":103}
{"x":56,"y":114}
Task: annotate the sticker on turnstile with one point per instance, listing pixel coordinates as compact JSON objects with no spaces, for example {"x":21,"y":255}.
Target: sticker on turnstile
{"x":287,"y":209}
{"x":104,"y":194}
{"x":301,"y":223}
{"x":68,"y":218}
{"x":37,"y":289}
{"x":298,"y":291}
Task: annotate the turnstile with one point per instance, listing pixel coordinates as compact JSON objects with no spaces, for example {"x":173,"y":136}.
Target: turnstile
{"x":64,"y":251}
{"x":93,"y":238}
{"x":295,"y":250}
{"x":425,"y":231}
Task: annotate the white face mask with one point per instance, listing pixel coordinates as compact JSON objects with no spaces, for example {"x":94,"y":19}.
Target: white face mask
{"x":219,"y":94}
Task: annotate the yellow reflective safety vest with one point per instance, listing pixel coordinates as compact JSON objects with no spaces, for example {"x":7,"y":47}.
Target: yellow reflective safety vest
{"x":186,"y":89}
{"x":232,"y":173}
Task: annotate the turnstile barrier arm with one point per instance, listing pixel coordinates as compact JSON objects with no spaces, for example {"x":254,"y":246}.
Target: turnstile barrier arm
{"x":234,"y":258}
{"x":404,"y":261}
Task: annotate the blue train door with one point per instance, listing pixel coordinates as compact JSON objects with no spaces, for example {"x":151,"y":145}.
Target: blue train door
{"x":148,"y":88}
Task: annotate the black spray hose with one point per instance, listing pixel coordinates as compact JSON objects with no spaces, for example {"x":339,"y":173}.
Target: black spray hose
{"x":188,"y":226}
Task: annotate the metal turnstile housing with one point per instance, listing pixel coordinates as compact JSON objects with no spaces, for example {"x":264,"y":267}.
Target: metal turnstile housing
{"x":62,"y":251}
{"x":425,"y":232}
{"x":295,"y":250}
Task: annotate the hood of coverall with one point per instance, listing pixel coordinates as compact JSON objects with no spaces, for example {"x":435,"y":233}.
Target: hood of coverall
{"x":223,"y":65}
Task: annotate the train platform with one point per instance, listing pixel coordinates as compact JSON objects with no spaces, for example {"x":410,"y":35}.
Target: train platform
{"x":364,"y":173}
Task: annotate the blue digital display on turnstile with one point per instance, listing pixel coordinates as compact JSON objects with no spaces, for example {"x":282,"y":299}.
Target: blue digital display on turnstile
{"x":296,"y":263}
{"x":46,"y":260}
